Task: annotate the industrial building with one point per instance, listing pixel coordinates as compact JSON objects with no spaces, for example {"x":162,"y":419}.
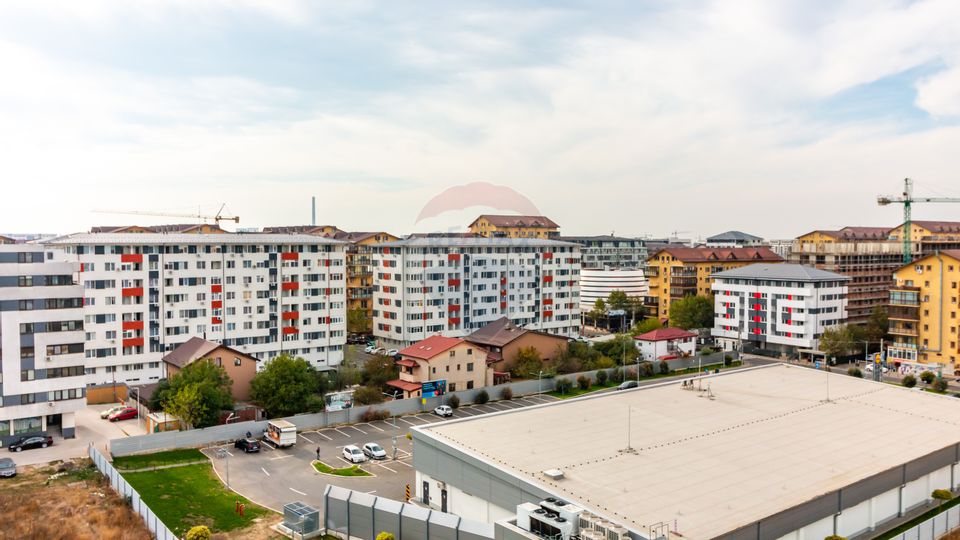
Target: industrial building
{"x":771,"y":452}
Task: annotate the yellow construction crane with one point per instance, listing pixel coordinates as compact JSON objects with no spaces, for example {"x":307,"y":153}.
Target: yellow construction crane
{"x":216,"y":218}
{"x":907,"y":199}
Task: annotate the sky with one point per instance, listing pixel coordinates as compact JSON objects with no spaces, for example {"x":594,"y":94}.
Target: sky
{"x":630,"y":117}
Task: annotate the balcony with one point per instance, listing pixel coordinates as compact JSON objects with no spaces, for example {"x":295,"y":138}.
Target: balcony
{"x":903,"y":330}
{"x":903,"y":313}
{"x":680,"y":292}
{"x":133,"y":342}
{"x":904,"y":296}
{"x":683,"y":281}
{"x":132,"y":291}
{"x":453,"y":282}
{"x":131,"y":258}
{"x":651,"y":272}
{"x":290,"y":285}
{"x":132,"y":325}
{"x":290,"y":315}
{"x":289,"y":330}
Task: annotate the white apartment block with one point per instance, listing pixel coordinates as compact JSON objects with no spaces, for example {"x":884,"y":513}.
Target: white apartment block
{"x":263,"y":294}
{"x":41,"y":343}
{"x":452,"y":286}
{"x":779,"y":307}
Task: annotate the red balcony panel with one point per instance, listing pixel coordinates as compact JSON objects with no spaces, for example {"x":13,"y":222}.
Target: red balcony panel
{"x":454,"y":320}
{"x":756,"y":318}
{"x":132,"y":325}
{"x":503,"y":292}
{"x":216,"y":304}
{"x":548,"y":255}
{"x":503,"y":281}
{"x":789,"y":310}
{"x":290,"y":256}
{"x":290,"y":285}
{"x":548,"y":301}
{"x":216,"y":320}
{"x":548,"y":279}
{"x":503,"y":305}
{"x":453,"y":257}
{"x":327,"y":293}
{"x":548,"y":313}
{"x":133,"y":342}
{"x":756,"y":330}
{"x":216,"y":288}
{"x":789,"y":297}
{"x":453,"y":282}
{"x":756,"y":295}
{"x":757,"y":307}
{"x":132,"y":291}
{"x":131,"y":258}
{"x":453,"y":307}
{"x":386,"y":251}
{"x":789,"y":334}
{"x":290,"y":315}
{"x":326,"y":262}
{"x":386,"y":327}
{"x":386,"y":276}
{"x":287,"y":330}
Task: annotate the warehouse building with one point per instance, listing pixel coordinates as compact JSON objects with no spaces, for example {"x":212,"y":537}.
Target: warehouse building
{"x":775,"y":451}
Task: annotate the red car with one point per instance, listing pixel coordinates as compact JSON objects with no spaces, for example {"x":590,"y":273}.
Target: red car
{"x":124,"y":414}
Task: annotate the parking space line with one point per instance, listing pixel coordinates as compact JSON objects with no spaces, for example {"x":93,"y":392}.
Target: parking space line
{"x":510,"y":404}
{"x":306,"y":439}
{"x":373,"y":426}
{"x":387,"y":468}
{"x":404,"y":420}
{"x":281,"y":457}
{"x":358,"y":429}
{"x":324,"y":436}
{"x":340,"y":432}
{"x":466,"y":412}
{"x":427,"y":418}
{"x":497,"y":406}
{"x":264,"y":471}
{"x":298,"y":491}
{"x":404,"y":463}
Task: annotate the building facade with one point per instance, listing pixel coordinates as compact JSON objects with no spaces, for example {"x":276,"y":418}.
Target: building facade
{"x":41,"y":343}
{"x":263,"y":294}
{"x":927,"y":237}
{"x":734,"y":239}
{"x":598,"y":284}
{"x":460,"y":364}
{"x":360,"y":271}
{"x":777,"y":307}
{"x":494,"y":226}
{"x":923,"y":312}
{"x":240,"y":367}
{"x":676,"y":272}
{"x":453,"y":286}
{"x":610,"y":252}
{"x":504,"y":340}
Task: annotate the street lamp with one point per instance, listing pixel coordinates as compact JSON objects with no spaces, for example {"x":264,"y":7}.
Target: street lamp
{"x":539,"y":382}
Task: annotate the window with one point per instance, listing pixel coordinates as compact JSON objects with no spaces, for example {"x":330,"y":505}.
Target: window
{"x":27,"y":399}
{"x":27,"y":375}
{"x":26,"y":425}
{"x":236,"y":361}
{"x":469,"y":385}
{"x":453,"y":386}
{"x":452,"y":353}
{"x":469,"y":366}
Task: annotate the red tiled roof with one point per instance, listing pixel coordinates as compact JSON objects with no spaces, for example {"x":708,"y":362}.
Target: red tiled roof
{"x":704,"y":254}
{"x":519,"y":221}
{"x":406,"y":362}
{"x":406,"y":386}
{"x":430,"y":347}
{"x":662,"y":334}
{"x":939,"y":226}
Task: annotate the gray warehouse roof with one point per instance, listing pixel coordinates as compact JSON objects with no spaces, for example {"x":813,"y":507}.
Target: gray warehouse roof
{"x":766,"y":441}
{"x":734,"y":236}
{"x":781,"y":272}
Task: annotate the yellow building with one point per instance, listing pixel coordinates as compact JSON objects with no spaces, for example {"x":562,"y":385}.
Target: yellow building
{"x":923,"y":311}
{"x":360,"y":271}
{"x":677,"y":272}
{"x":927,"y":237}
{"x":179,"y":228}
{"x":491,"y":226}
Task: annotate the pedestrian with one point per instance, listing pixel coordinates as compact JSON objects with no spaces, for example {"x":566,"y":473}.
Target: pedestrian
{"x":318,"y":453}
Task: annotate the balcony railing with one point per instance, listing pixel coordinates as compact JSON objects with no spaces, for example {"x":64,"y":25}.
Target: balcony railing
{"x":900,"y":330}
{"x":907,"y":313}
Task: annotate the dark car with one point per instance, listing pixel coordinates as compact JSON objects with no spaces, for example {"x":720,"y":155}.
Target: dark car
{"x":8,"y":468}
{"x":36,"y":441}
{"x":247,"y":445}
{"x":627,"y":384}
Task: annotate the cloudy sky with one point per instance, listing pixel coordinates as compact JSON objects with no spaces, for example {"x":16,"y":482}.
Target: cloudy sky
{"x":627,"y":116}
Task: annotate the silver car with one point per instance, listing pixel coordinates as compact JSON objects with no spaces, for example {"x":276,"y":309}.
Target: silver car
{"x":8,"y":468}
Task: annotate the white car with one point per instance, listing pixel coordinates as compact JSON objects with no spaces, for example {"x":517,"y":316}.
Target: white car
{"x":378,"y":350}
{"x":392,"y":352}
{"x":353,"y":454}
{"x":369,"y":349}
{"x":373,"y":451}
{"x":106,"y":414}
{"x":443,"y":410}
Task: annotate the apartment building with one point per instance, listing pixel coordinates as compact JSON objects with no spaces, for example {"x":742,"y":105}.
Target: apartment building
{"x":923,"y":312}
{"x":181,"y":228}
{"x":675,"y":272}
{"x":360,"y":269}
{"x":7,"y":240}
{"x":734,"y":239}
{"x":494,"y":226}
{"x":777,"y":307}
{"x":454,"y":285}
{"x":41,"y":343}
{"x":262,"y":294}
{"x":927,"y":237}
{"x":864,"y":254}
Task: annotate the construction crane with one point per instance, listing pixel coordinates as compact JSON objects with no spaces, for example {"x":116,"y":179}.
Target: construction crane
{"x":907,"y":199}
{"x":216,"y":218}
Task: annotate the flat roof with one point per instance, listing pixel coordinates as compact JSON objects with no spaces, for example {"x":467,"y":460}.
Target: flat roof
{"x":137,"y":239}
{"x":766,"y":442}
{"x":780,"y":272}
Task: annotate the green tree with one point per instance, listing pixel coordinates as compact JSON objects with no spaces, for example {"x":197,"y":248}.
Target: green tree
{"x":602,"y":377}
{"x":909,"y":381}
{"x":528,"y":362}
{"x":209,"y":382}
{"x":358,"y":322}
{"x":841,"y":340}
{"x":348,"y":375}
{"x":284,"y":386}
{"x":622,"y":348}
{"x":367,"y":395}
{"x":927,"y":377}
{"x":186,"y":403}
{"x":379,"y":369}
{"x":877,"y":325}
{"x":692,"y":312}
{"x":618,"y":300}
{"x":583,"y":382}
{"x":599,"y":311}
{"x":155,"y":403}
{"x":664,"y":367}
{"x":646,"y":369}
{"x":647,"y":325}
{"x":940,"y":385}
{"x":563,"y":385}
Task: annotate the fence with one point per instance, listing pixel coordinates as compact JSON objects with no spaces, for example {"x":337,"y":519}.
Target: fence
{"x":934,"y":527}
{"x":157,"y":528}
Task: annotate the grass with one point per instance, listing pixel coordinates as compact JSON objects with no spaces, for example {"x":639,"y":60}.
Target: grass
{"x":192,"y":495}
{"x":158,"y":459}
{"x":353,"y":470}
{"x":576,"y":391}
{"x":903,"y":527}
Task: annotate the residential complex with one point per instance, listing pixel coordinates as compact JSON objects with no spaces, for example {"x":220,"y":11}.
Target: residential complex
{"x":777,"y":307}
{"x":454,"y":285}
{"x":181,"y":228}
{"x":263,"y":294}
{"x":923,"y":312}
{"x":494,"y":226}
{"x":41,"y":342}
{"x":675,"y":272}
{"x":734,"y":239}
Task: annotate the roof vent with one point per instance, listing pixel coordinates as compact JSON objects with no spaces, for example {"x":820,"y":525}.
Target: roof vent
{"x":553,"y":474}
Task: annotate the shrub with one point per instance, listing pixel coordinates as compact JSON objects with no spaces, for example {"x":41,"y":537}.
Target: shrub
{"x":602,"y":377}
{"x":367,"y":395}
{"x":604,"y":362}
{"x":909,"y":381}
{"x":453,"y":402}
{"x":630,"y":374}
{"x":409,"y":436}
{"x":563,"y":385}
{"x":835,"y":537}
{"x":941,"y":495}
{"x":372,"y":415}
{"x":385,"y":536}
{"x":506,"y":393}
{"x":855,"y":372}
{"x":646,"y":369}
{"x":583,"y":382}
{"x":664,"y":367}
{"x":617,"y":375}
{"x":928,"y":377}
{"x":199,"y":532}
{"x":706,"y":351}
{"x":728,"y":360}
{"x":482,"y":397}
{"x":940,"y":385}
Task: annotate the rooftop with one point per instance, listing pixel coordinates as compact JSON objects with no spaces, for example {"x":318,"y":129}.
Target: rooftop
{"x":781,"y":272}
{"x":192,"y":350}
{"x":734,"y":236}
{"x":541,"y":222}
{"x":126,"y":239}
{"x":713,"y":465}
{"x":430,"y":347}
{"x":602,"y":239}
{"x":707,"y":254}
{"x":939,"y":226}
{"x":663,"y":334}
{"x":857,"y":233}
{"x":474,"y":241}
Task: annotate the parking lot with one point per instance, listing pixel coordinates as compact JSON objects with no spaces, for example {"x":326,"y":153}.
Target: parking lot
{"x":274,"y":477}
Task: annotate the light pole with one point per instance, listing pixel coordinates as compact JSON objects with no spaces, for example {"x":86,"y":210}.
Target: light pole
{"x":539,"y":382}
{"x":638,"y":369}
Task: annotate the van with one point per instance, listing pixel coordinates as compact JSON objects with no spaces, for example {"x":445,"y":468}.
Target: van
{"x":280,"y":434}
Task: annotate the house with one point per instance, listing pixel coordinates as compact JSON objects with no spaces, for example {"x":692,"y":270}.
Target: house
{"x":503,"y":340}
{"x":461,"y":364}
{"x":240,"y":367}
{"x":666,"y":344}
{"x":495,"y":226}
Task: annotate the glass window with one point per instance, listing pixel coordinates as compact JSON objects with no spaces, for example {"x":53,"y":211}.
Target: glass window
{"x":4,"y":427}
{"x":26,"y":425}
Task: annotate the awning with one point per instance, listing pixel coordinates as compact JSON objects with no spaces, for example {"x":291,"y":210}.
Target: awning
{"x":406,"y":386}
{"x":406,"y":362}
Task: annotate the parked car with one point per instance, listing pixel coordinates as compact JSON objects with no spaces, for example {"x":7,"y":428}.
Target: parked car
{"x":353,"y":454}
{"x":8,"y":468}
{"x":627,"y":384}
{"x":369,"y":349}
{"x":444,"y":411}
{"x":35,"y":441}
{"x":247,"y":445}
{"x":379,"y":350}
{"x":106,"y":414}
{"x":392,"y":352}
{"x":373,"y":451}
{"x":125,"y":413}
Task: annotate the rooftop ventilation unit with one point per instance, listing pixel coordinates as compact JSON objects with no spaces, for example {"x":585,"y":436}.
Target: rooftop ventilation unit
{"x":553,"y":474}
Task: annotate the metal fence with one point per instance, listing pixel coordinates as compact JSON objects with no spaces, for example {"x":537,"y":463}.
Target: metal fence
{"x":125,"y":490}
{"x":933,"y":528}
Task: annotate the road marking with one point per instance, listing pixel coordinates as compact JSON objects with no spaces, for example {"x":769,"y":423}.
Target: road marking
{"x":281,"y":457}
{"x":264,"y":471}
{"x":298,"y":491}
{"x":387,"y":468}
{"x":427,"y":418}
{"x":497,"y":406}
{"x":404,"y":420}
{"x":404,"y":463}
{"x":466,"y":412}
{"x":306,"y":439}
{"x":228,"y":453}
{"x":324,"y":436}
{"x":358,"y":429}
{"x":373,"y":426}
{"x":340,"y":432}
{"x":510,"y":404}
{"x":371,"y":492}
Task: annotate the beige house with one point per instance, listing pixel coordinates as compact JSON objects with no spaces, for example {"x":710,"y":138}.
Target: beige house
{"x":240,"y":367}
{"x":503,"y":340}
{"x":463,"y":365}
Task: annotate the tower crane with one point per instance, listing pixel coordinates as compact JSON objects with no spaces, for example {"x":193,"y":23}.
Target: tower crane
{"x":217,"y":218}
{"x":907,"y":199}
